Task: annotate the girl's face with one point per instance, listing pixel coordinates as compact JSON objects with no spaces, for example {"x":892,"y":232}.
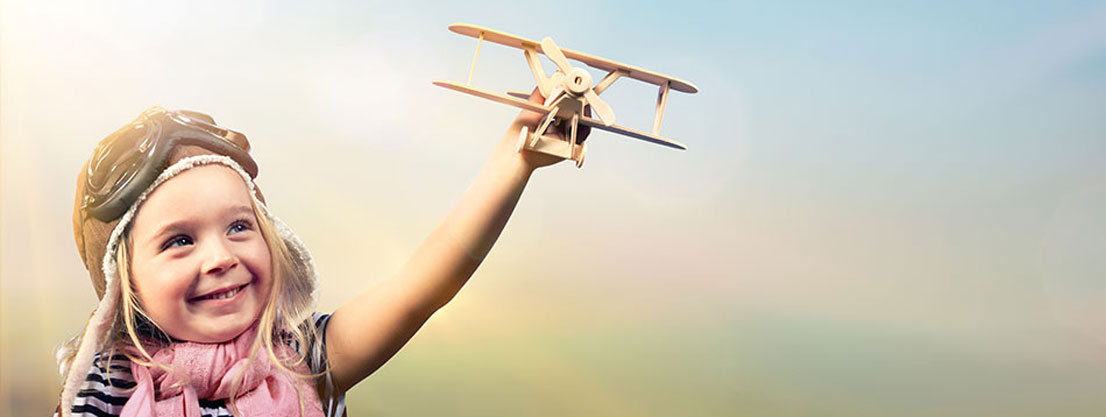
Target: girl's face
{"x":199,"y":263}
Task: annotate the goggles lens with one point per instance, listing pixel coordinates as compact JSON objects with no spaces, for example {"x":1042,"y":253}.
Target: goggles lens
{"x":126,"y":162}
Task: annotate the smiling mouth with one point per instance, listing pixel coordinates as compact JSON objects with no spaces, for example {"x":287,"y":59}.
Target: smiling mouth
{"x":221,"y":295}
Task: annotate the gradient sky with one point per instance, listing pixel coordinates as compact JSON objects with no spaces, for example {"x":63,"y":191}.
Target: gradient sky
{"x":884,"y":209}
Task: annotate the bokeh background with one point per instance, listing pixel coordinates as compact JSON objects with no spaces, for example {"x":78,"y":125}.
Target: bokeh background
{"x":886,"y":208}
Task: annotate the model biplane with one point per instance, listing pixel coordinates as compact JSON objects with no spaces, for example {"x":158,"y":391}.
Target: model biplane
{"x":568,"y":91}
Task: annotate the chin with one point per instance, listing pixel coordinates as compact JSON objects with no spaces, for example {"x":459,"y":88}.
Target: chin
{"x":224,"y":333}
{"x":225,"y":329}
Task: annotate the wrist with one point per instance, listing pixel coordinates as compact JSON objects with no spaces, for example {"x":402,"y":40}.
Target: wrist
{"x":510,"y":161}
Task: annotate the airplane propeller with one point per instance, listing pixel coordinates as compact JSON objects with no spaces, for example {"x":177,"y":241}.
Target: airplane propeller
{"x":574,"y":81}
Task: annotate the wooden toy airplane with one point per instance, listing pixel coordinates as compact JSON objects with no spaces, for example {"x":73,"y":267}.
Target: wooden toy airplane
{"x":567,"y":92}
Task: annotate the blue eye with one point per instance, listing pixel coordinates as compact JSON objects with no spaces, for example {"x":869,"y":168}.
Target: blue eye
{"x":240,"y":226}
{"x":178,"y":240}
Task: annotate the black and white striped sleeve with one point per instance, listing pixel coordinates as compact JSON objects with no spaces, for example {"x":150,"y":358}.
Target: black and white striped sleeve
{"x":106,"y":388}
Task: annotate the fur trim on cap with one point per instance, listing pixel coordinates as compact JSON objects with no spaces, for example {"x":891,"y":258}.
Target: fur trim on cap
{"x":104,"y":316}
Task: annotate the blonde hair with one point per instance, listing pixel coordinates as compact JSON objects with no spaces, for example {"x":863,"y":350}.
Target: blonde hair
{"x":285,"y":318}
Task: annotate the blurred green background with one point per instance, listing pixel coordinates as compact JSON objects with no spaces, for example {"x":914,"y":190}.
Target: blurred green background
{"x":886,"y":208}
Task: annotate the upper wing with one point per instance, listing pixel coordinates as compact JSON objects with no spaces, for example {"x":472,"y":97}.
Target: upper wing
{"x":642,"y":74}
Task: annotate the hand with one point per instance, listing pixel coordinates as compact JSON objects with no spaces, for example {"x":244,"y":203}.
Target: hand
{"x":532,"y":120}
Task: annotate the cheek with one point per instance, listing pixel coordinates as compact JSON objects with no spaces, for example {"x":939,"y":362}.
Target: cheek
{"x":261,"y":265}
{"x":160,"y":286}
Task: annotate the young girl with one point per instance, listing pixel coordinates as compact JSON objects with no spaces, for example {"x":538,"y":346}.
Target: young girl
{"x":206,"y":298}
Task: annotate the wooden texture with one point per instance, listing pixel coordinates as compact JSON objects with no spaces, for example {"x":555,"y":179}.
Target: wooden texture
{"x":539,"y":108}
{"x":587,"y":121}
{"x":636,"y":73}
{"x":539,"y":73}
{"x":498,"y":98}
{"x":608,"y":80}
{"x":662,"y":99}
{"x":633,"y":133}
{"x":474,"y":57}
{"x":567,"y":92}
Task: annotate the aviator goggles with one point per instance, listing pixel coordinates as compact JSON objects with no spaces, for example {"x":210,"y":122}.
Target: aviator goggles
{"x":126,"y":162}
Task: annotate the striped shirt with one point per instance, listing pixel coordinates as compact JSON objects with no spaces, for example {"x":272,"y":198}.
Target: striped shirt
{"x":109,"y":385}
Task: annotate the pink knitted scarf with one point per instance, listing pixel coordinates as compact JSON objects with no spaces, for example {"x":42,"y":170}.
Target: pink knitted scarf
{"x":207,"y":371}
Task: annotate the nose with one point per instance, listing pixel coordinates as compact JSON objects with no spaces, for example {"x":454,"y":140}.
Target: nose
{"x":219,"y":258}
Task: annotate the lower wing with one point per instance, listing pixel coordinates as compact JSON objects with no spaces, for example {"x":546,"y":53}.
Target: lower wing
{"x":514,"y":99}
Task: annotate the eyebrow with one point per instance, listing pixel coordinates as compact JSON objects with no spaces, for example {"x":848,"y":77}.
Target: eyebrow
{"x":239,"y":209}
{"x":176,"y":226}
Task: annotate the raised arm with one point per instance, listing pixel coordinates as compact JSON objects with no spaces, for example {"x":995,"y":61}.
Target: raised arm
{"x":366,"y":331}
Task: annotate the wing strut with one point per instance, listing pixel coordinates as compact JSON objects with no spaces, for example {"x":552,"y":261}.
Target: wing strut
{"x":662,"y":99}
{"x":473,"y":69}
{"x":609,"y":79}
{"x":539,"y":73}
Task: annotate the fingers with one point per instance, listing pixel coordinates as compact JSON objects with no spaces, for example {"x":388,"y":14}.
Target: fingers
{"x":558,"y":129}
{"x":529,"y":118}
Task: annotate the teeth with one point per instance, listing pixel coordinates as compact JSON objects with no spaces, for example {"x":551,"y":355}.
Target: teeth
{"x":224,"y":295}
